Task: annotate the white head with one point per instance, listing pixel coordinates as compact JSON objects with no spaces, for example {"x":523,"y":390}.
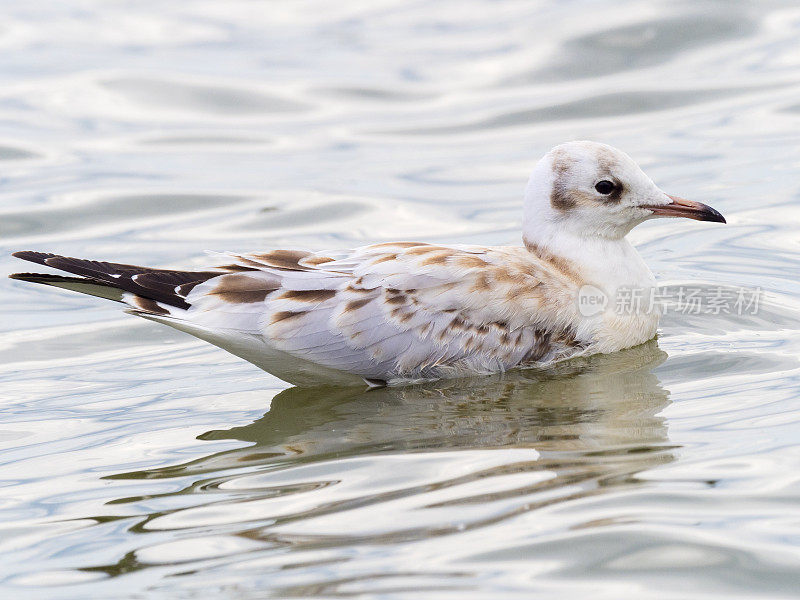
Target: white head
{"x":590,"y":189}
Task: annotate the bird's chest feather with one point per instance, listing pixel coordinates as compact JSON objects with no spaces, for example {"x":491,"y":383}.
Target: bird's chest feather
{"x":620,"y":331}
{"x":626,"y":289}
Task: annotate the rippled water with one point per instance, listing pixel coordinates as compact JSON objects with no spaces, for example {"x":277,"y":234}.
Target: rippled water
{"x":138,"y":462}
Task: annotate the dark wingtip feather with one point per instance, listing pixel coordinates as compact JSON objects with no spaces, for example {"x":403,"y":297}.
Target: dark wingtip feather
{"x":48,"y":278}
{"x":35,"y":277}
{"x":24,"y":276}
{"x":93,"y":287}
{"x":158,"y":285}
{"x":33,"y":256}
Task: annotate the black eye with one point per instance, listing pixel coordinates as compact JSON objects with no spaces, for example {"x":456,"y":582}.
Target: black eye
{"x":604,"y":187}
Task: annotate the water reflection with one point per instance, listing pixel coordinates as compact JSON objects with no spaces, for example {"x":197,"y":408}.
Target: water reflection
{"x":327,"y":468}
{"x":605,"y":400}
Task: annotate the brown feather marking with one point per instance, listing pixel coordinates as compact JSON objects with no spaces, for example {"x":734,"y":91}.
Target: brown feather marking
{"x":459,"y":323}
{"x":313,"y":261}
{"x":384,"y":258}
{"x":467,"y":261}
{"x":481,"y":283}
{"x":308,"y":295}
{"x":437,"y":259}
{"x":397,"y":299}
{"x":236,"y":268}
{"x":356,"y":304}
{"x":149,"y":306}
{"x":241,"y":282}
{"x":239,"y":288}
{"x":424,"y":250}
{"x":401,"y":316}
{"x":283,"y":259}
{"x":503,"y":274}
{"x":501,"y":325}
{"x":568,"y":338}
{"x":541,"y":346}
{"x":562,"y":265}
{"x":249,"y":261}
{"x":359,"y":290}
{"x":243,"y":297}
{"x":286,"y":315}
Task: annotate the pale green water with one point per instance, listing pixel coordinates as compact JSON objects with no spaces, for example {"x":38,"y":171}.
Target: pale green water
{"x":137,"y":462}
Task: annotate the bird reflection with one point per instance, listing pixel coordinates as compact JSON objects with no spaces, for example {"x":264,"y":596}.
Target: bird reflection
{"x":605,"y":404}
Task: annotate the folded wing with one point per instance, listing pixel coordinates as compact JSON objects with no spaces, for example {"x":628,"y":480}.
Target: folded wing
{"x":389,"y":311}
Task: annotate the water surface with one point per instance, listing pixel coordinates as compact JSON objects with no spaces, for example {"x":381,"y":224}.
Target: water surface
{"x":138,"y":462}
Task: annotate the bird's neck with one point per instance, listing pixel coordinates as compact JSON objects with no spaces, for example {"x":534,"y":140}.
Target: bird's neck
{"x":608,"y":263}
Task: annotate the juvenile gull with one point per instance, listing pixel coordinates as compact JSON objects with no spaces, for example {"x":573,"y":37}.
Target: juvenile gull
{"x":402,"y":311}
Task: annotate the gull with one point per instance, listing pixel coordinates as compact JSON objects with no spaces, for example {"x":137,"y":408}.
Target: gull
{"x":398,"y":312}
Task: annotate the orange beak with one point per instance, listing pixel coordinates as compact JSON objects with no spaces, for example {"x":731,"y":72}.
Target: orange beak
{"x":686,"y":208}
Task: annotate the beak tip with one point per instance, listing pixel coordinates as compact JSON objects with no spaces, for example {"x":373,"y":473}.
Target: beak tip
{"x":715,"y":217}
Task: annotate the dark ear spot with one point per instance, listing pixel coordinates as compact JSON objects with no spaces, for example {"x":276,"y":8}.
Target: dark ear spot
{"x":560,"y":198}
